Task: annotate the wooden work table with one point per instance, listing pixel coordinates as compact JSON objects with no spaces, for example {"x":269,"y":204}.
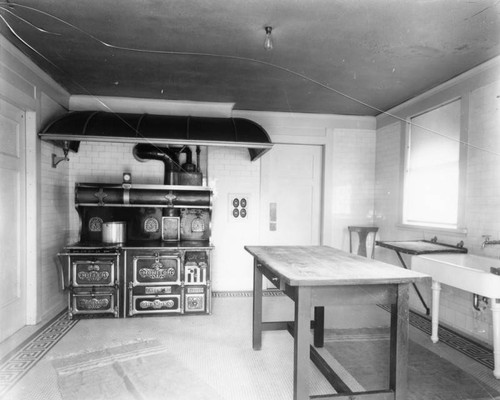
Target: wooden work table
{"x":318,"y":276}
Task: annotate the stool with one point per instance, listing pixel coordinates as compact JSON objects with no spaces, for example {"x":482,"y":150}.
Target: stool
{"x":363,"y":232}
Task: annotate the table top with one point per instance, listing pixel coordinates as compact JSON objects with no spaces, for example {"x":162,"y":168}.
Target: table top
{"x":327,"y":266}
{"x":417,"y":247}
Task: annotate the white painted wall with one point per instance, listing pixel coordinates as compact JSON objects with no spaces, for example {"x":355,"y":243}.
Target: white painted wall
{"x":22,"y":83}
{"x":480,"y":89}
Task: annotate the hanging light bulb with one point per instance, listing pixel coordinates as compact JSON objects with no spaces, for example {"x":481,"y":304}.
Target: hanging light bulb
{"x":268,"y":43}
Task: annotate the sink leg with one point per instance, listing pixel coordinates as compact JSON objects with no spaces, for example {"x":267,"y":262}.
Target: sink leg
{"x":436,"y":290}
{"x":495,"y":313}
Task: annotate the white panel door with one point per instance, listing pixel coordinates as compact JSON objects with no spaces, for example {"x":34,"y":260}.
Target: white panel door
{"x":291,"y":190}
{"x":12,"y":220}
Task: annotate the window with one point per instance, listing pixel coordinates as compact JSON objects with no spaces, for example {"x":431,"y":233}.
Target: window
{"x":432,"y":168}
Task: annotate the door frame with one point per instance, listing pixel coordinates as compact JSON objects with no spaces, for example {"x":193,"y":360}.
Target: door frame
{"x":32,"y":283}
{"x":33,"y":225}
{"x":22,"y":240}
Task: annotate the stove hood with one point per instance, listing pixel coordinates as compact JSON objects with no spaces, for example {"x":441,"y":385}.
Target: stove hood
{"x":99,"y":126}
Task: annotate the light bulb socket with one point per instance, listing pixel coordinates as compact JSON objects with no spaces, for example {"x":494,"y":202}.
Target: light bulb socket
{"x":268,"y":42}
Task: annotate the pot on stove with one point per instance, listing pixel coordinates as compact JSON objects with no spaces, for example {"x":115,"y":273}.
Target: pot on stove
{"x":114,"y":232}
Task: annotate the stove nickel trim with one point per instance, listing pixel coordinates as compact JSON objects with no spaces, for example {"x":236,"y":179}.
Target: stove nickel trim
{"x":154,"y":304}
{"x":156,"y":273}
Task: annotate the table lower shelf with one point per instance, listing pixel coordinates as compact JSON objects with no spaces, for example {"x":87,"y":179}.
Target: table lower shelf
{"x":320,"y":357}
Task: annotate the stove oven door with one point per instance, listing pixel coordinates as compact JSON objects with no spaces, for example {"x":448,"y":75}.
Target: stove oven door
{"x":96,"y":301}
{"x":156,"y":303}
{"x":154,"y":283}
{"x":196,"y":299}
{"x":156,"y":269}
{"x":93,"y":283}
{"x":93,"y":272}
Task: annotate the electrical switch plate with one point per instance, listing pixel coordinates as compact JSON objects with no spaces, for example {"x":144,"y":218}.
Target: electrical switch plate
{"x":239,"y":206}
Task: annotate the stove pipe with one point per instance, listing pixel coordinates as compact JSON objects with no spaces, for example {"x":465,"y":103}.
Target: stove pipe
{"x":144,"y":151}
{"x":188,"y":166}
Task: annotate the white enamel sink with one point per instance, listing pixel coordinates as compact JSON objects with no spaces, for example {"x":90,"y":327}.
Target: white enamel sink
{"x":464,"y":271}
{"x":467,"y":272}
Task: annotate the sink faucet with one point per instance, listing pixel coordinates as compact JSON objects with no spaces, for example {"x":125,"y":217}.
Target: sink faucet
{"x":487,"y":241}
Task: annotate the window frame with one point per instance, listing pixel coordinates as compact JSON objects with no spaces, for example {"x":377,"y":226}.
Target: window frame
{"x":462,"y":167}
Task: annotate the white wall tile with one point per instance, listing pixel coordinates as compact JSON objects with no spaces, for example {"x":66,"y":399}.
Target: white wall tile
{"x":354,"y":182}
{"x":54,"y":225}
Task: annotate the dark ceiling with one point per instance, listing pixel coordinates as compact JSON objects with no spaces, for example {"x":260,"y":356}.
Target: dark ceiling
{"x":357,"y":57}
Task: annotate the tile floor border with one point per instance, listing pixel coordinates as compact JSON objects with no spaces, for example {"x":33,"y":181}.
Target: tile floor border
{"x":25,"y":356}
{"x":478,"y":352}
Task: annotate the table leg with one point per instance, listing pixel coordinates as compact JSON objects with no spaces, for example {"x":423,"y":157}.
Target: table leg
{"x":257,"y":308}
{"x":398,"y":379}
{"x":301,"y":352}
{"x":436,"y":290}
{"x":319,"y":326}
